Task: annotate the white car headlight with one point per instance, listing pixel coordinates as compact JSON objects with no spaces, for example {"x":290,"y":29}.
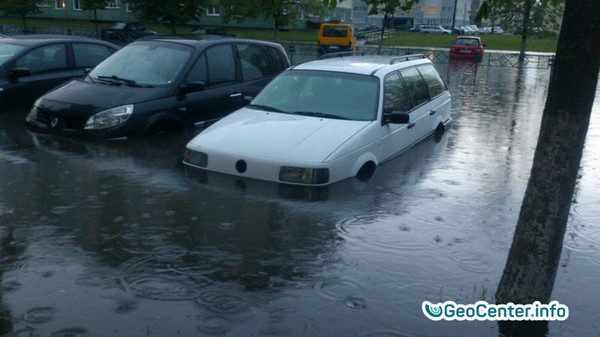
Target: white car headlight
{"x":302,"y":175}
{"x":108,"y":118}
{"x":195,"y":158}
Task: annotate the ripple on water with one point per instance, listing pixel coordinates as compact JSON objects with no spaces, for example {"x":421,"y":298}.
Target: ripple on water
{"x":226,"y":226}
{"x":471,"y":262}
{"x":69,"y":332}
{"x":58,"y":210}
{"x":26,"y":332}
{"x":212,"y":325}
{"x":221,"y":301}
{"x":337,"y":289}
{"x":9,"y":286}
{"x":39,"y":315}
{"x":164,"y":288}
{"x":385,"y":333}
{"x":355,"y":302}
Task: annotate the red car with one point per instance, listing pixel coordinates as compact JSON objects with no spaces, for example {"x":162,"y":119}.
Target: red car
{"x":467,"y":47}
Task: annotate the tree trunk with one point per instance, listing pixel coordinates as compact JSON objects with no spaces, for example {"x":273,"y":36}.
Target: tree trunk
{"x":526,"y":15}
{"x":23,"y":17}
{"x":96,"y":23}
{"x":173,"y":26}
{"x":385,"y":16}
{"x":276,"y":29}
{"x":537,"y":243}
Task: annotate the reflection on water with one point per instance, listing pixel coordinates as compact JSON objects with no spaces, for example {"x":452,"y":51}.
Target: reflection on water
{"x":114,"y":239}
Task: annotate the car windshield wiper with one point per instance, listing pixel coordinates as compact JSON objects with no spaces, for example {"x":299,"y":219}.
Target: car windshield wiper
{"x":115,"y":78}
{"x":318,"y":114}
{"x":266,"y":108}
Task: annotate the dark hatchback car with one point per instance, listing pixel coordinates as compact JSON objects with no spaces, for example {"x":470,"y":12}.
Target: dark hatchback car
{"x":160,"y":84}
{"x":125,"y":31}
{"x":30,"y":65}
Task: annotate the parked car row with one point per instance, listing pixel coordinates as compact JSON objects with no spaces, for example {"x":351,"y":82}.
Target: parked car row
{"x":488,"y":30}
{"x":433,"y":29}
{"x":313,"y":124}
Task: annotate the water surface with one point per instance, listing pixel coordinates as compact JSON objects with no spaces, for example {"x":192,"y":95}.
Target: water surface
{"x":114,"y":239}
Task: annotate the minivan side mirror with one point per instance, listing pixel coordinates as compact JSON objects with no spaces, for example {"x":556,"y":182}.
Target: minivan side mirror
{"x":396,"y":117}
{"x":192,"y":87}
{"x":17,"y":73}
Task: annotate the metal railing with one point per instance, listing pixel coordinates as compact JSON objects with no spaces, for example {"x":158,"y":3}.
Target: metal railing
{"x":300,"y":52}
{"x":18,"y":30}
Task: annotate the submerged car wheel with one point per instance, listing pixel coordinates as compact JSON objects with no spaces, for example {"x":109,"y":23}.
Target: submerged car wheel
{"x":366,"y":171}
{"x":164,"y":126}
{"x":439,"y":132}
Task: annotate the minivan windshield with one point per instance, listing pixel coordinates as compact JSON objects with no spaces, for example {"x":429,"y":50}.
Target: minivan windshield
{"x":321,"y":94}
{"x":147,"y":63}
{"x":8,"y":50}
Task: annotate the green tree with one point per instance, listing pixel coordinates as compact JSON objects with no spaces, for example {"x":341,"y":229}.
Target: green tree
{"x":169,"y":12}
{"x":94,"y":5}
{"x":487,"y":10}
{"x":387,"y":8}
{"x":523,"y":14}
{"x":19,"y":8}
{"x":281,"y":12}
{"x":537,"y":243}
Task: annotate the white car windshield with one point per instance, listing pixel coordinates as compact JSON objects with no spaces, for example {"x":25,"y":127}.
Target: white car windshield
{"x":321,"y":94}
{"x":149,"y":63}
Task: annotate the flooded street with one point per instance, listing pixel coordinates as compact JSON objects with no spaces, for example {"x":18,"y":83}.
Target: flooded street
{"x":114,"y":239}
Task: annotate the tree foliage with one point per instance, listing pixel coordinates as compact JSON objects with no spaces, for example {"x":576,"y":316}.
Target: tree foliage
{"x":169,"y":12}
{"x":19,"y":8}
{"x":387,"y":8}
{"x":281,"y":12}
{"x":524,"y":14}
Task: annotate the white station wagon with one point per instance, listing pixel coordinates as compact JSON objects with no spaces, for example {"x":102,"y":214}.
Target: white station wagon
{"x":324,"y":121}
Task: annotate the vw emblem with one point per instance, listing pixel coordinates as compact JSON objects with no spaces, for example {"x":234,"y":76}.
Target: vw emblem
{"x":54,"y":123}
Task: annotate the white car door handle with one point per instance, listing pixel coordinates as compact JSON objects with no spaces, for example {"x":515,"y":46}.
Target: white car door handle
{"x":239,"y":94}
{"x":410,"y":125}
{"x":432,"y":112}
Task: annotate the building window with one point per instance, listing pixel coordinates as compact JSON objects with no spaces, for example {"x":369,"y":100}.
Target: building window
{"x":59,"y":4}
{"x":213,"y":11}
{"x":113,"y":4}
{"x":129,"y":7}
{"x":43,"y":4}
{"x":432,"y":10}
{"x":77,"y":5}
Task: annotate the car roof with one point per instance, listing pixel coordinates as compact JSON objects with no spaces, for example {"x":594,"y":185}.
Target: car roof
{"x":200,"y":41}
{"x":39,"y":39}
{"x":363,"y":65}
{"x":468,"y":37}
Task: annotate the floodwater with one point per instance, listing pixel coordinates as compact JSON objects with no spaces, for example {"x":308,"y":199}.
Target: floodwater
{"x":114,"y":239}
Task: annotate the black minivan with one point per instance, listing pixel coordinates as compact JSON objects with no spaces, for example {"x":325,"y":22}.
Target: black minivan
{"x":160,"y":84}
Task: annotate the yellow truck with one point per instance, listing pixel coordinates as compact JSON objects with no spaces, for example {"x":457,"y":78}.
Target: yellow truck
{"x":335,"y":37}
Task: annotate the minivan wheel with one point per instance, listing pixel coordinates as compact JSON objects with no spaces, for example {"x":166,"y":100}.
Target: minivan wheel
{"x":366,"y":171}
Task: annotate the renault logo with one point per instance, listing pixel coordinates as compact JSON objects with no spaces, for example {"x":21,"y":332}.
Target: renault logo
{"x":54,"y":123}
